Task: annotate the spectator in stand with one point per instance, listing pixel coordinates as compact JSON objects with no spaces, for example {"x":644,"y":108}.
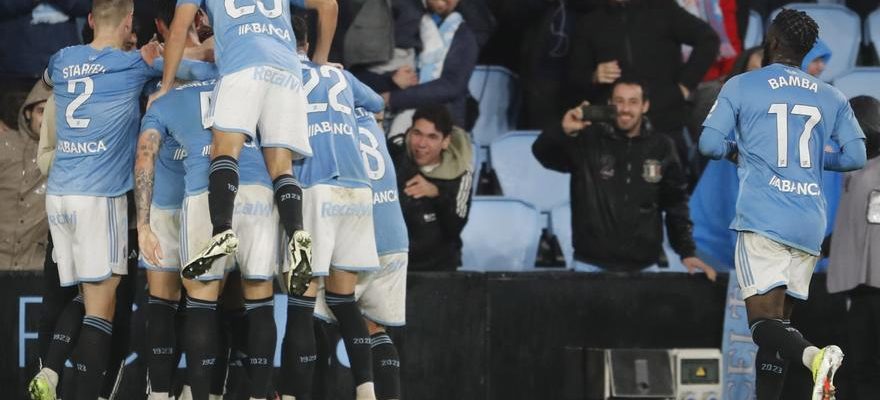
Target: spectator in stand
{"x":364,"y":44}
{"x":433,"y":160}
{"x":855,"y":256}
{"x":816,"y":60}
{"x":445,"y":36}
{"x":624,"y":178}
{"x":32,"y":30}
{"x":24,"y":228}
{"x":721,"y":16}
{"x":642,"y":39}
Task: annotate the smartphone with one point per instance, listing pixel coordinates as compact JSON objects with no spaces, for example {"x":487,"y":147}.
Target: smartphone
{"x":599,"y":113}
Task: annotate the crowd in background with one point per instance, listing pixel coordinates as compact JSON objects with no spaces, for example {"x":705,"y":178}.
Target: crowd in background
{"x":564,"y":52}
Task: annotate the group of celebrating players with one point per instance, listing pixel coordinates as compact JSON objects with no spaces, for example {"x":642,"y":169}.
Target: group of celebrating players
{"x":280,"y":155}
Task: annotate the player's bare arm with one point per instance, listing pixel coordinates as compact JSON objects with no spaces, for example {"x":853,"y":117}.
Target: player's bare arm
{"x":144,"y":172}
{"x":327,"y":14}
{"x":174,"y":46}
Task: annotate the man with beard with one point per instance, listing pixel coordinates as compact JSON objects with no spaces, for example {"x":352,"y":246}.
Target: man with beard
{"x":624,"y":178}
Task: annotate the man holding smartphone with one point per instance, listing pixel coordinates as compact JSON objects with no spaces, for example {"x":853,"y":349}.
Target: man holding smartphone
{"x":624,"y":178}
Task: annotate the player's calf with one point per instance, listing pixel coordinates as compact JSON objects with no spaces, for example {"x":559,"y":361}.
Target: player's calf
{"x":357,"y":341}
{"x":201,"y":335}
{"x":162,"y":344}
{"x":261,"y":335}
{"x":386,"y":364}
{"x":299,"y":350}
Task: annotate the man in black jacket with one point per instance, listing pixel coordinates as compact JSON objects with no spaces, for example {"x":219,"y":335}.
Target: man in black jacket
{"x":623,"y":179}
{"x":434,"y":167}
{"x":642,"y":39}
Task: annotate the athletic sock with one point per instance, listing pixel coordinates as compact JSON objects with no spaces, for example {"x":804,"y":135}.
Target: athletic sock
{"x":386,"y":367}
{"x":354,"y":335}
{"x":222,"y":188}
{"x":261,"y":338}
{"x":769,"y":374}
{"x":288,"y":196}
{"x":65,"y":336}
{"x":200,"y":340}
{"x":298,"y":350}
{"x":91,"y":356}
{"x":162,"y":342}
{"x":776,"y":336}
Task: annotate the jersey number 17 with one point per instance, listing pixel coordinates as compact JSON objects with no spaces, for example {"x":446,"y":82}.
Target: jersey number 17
{"x":782,"y":112}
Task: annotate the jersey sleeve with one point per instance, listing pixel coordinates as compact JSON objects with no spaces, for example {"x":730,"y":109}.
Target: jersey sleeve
{"x":846,"y":128}
{"x":363,"y":95}
{"x":47,"y":73}
{"x":152,"y":120}
{"x":722,"y":116}
{"x":295,"y":3}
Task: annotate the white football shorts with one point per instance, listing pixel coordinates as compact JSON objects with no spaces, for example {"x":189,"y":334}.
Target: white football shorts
{"x":90,"y":234}
{"x":165,"y":224}
{"x":381,"y":295}
{"x":340,"y":220}
{"x":267,"y":100}
{"x":255,"y":222}
{"x":763,"y":264}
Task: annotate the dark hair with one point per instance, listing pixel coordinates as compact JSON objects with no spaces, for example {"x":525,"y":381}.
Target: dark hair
{"x":300,"y":30}
{"x":165,"y":10}
{"x":625,"y":80}
{"x":796,"y":32}
{"x":438,"y":115}
{"x":867,"y":112}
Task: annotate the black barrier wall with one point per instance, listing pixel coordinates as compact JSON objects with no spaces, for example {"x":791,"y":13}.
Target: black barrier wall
{"x":493,"y":336}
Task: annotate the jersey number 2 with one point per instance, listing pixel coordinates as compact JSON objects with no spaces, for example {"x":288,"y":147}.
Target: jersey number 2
{"x":781,"y":111}
{"x":88,"y":89}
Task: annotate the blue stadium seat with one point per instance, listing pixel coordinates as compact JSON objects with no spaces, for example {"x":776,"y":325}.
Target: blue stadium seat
{"x":521,"y":176}
{"x":754,"y":31}
{"x":872,"y":31}
{"x":501,"y":235}
{"x":494,"y":87}
{"x":560,"y":223}
{"x":840,"y":28}
{"x":860,"y":81}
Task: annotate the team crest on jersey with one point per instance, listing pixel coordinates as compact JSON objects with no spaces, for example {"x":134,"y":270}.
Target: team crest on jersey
{"x":652,"y":171}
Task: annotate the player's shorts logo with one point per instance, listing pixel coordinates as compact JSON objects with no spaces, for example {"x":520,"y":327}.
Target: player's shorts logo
{"x":652,"y":171}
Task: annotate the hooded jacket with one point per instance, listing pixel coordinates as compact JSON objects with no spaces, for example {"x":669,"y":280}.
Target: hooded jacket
{"x":620,"y":189}
{"x":23,"y":225}
{"x":819,"y":50}
{"x":435,"y":224}
{"x":645,"y":37}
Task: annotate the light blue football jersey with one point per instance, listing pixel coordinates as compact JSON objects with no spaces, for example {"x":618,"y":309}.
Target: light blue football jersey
{"x":168,"y":175}
{"x":181,"y":114}
{"x":783,"y":118}
{"x":391,"y":234}
{"x":96,"y":94}
{"x":336,"y":158}
{"x":249,"y":33}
